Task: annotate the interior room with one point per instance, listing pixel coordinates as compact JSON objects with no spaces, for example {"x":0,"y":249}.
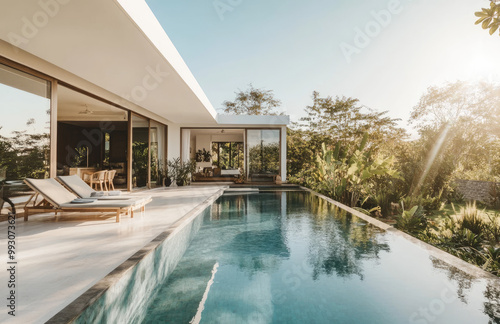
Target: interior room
{"x":227,"y":154}
{"x":92,"y":136}
{"x":219,"y":153}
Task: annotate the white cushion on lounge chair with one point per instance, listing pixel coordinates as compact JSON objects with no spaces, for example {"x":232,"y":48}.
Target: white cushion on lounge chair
{"x":51,"y":190}
{"x":82,"y":189}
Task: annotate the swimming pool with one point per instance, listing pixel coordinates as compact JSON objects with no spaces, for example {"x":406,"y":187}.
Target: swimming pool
{"x":291,"y":257}
{"x":287,"y":257}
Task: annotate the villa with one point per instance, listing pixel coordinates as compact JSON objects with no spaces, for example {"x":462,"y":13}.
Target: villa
{"x":100,"y":86}
{"x":96,"y":87}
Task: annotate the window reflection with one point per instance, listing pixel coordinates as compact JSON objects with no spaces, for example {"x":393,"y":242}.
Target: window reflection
{"x":24,"y":125}
{"x":263,"y":153}
{"x":140,"y":151}
{"x":157,"y":146}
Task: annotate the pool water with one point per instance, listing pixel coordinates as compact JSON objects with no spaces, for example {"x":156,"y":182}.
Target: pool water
{"x":291,"y":257}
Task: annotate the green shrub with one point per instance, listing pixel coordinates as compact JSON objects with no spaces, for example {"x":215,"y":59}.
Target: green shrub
{"x":493,"y":229}
{"x":465,"y":239}
{"x":427,"y":202}
{"x":492,"y":255}
{"x":412,"y":221}
{"x":383,"y":199}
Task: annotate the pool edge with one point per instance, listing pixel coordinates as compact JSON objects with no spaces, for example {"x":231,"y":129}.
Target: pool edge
{"x":72,"y":311}
{"x":452,"y":260}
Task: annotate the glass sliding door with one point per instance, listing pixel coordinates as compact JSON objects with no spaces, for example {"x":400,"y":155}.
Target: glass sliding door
{"x":157,"y":135}
{"x":92,"y":135}
{"x":24,"y":125}
{"x":263,"y":153}
{"x":140,"y":151}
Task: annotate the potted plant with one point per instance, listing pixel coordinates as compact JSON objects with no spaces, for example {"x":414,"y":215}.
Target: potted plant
{"x":164,"y":174}
{"x":199,"y":156}
{"x":180,"y":171}
{"x":174,"y":166}
{"x":206,"y":156}
{"x":203,"y":156}
{"x":188,"y":169}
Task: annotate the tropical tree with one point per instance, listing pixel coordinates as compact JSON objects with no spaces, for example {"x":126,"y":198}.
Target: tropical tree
{"x":252,"y":101}
{"x":349,"y":178}
{"x":339,"y":120}
{"x":344,"y":120}
{"x":489,"y":18}
{"x":458,"y":125}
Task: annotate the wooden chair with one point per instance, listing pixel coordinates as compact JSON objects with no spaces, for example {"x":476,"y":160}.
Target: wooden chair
{"x":99,"y":178}
{"x":109,"y":179}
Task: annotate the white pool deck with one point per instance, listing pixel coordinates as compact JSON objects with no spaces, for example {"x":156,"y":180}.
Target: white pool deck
{"x":59,"y":258}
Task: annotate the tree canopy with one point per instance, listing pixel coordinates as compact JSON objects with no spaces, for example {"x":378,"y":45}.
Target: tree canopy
{"x":459,"y":131}
{"x":343,"y":119}
{"x":252,"y":101}
{"x":330,"y":121}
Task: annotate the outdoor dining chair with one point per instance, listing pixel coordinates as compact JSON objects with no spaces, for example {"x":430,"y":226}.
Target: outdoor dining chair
{"x":109,"y":179}
{"x":99,"y":179}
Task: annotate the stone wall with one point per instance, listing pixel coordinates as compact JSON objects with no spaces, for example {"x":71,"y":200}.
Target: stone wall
{"x":477,"y":190}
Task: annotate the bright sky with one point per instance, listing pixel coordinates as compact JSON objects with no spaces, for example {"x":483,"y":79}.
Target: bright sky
{"x":294,"y":47}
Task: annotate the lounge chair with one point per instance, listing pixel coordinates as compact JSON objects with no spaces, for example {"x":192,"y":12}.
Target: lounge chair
{"x":59,"y":199}
{"x":75,"y":184}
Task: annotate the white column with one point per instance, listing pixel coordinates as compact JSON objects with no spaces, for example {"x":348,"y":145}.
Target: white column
{"x":174,"y":141}
{"x":283,"y":153}
{"x":186,"y":143}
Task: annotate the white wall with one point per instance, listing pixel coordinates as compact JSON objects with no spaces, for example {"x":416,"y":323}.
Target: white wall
{"x":185,"y":144}
{"x":174,"y":141}
{"x":203,"y":142}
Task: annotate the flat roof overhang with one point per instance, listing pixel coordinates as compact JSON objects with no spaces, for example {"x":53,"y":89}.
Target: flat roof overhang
{"x":253,"y":120}
{"x":118,"y":45}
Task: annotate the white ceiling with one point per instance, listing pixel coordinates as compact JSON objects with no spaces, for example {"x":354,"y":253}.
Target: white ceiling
{"x":75,"y":106}
{"x":98,"y":40}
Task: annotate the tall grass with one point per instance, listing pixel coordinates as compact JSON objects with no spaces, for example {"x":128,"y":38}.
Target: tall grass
{"x":471,"y":218}
{"x":472,"y":235}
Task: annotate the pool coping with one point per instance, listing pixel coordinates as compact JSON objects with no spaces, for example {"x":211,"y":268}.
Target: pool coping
{"x":437,"y":253}
{"x":72,"y":311}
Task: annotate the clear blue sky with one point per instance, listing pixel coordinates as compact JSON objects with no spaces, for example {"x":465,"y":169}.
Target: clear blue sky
{"x":295,"y":47}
